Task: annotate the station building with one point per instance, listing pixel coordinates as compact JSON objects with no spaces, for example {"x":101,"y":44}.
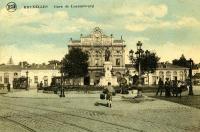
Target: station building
{"x":95,"y":44}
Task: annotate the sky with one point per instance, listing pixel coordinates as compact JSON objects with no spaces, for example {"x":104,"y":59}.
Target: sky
{"x":168,"y":27}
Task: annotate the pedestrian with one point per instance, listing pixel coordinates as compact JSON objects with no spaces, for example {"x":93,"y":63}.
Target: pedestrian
{"x":110,"y":90}
{"x":167,"y":87}
{"x":8,"y":87}
{"x":179,"y":88}
{"x":41,"y":85}
{"x":38,"y":86}
{"x":174,"y":87}
{"x":160,"y":87}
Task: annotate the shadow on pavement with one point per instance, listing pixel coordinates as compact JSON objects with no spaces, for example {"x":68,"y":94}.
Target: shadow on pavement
{"x":192,"y":101}
{"x":101,"y":104}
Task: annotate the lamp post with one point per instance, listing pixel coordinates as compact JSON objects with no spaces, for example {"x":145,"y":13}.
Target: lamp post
{"x":133,"y":59}
{"x":147,"y":53}
{"x":62,"y":91}
{"x":139,"y":54}
{"x":27,"y":80}
{"x":190,"y":76}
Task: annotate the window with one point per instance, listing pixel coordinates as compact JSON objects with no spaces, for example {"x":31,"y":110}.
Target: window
{"x":117,"y":62}
{"x":97,"y":62}
{"x":15,"y":74}
{"x":181,"y":75}
{"x":35,"y":79}
{"x":6,"y":78}
{"x":0,"y":79}
{"x":161,"y":75}
{"x":45,"y":80}
{"x":168,"y":75}
{"x":174,"y":75}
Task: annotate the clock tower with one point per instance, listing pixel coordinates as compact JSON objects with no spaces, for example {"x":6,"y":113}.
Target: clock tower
{"x":97,"y":35}
{"x":97,"y":44}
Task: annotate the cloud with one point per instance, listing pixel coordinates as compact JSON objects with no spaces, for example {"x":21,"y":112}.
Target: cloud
{"x":167,"y":51}
{"x":171,"y":50}
{"x":36,"y":54}
{"x":153,"y":23}
{"x":143,"y":10}
{"x":35,"y":21}
{"x":149,"y":16}
{"x":187,"y":22}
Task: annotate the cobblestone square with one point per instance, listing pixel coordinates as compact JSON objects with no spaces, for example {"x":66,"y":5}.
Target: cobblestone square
{"x":38,"y":112}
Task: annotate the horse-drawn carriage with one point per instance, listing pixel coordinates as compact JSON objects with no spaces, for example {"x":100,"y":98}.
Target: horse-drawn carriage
{"x":20,"y":83}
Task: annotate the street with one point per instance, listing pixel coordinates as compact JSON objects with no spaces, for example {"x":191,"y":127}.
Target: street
{"x":78,"y":113}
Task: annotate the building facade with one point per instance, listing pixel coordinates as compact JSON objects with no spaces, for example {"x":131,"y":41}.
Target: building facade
{"x":35,"y":74}
{"x":96,"y":44}
{"x":167,"y":70}
{"x":163,"y":71}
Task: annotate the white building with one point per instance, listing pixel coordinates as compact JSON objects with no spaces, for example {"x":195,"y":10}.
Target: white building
{"x":163,"y":71}
{"x":35,"y":74}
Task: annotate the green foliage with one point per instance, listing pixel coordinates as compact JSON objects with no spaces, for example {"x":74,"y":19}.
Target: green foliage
{"x":24,"y":63}
{"x":148,"y":62}
{"x":75,"y":63}
{"x":182,"y":61}
{"x":54,"y":62}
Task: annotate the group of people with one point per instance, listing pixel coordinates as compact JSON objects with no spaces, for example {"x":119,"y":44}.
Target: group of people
{"x":39,"y":86}
{"x":170,"y":87}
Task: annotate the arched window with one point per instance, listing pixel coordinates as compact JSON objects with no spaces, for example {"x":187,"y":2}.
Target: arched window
{"x":175,"y":75}
{"x":168,"y":75}
{"x":181,"y":75}
{"x":6,"y":78}
{"x":161,"y":75}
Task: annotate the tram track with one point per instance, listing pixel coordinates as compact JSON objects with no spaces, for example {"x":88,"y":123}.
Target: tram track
{"x":53,"y":120}
{"x":71,"y":115}
{"x":17,"y":123}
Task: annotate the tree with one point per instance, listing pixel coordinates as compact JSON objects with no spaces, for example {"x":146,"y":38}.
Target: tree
{"x":75,"y":64}
{"x":24,"y":64}
{"x":148,"y":61}
{"x":182,"y":61}
{"x":54,"y":62}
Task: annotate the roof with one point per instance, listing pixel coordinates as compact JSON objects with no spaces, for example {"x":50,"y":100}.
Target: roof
{"x":162,"y":66}
{"x":169,"y":66}
{"x":19,"y":68}
{"x":76,"y":41}
{"x":42,"y":67}
{"x":10,"y":68}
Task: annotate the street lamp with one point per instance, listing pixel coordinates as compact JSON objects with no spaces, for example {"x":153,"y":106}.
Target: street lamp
{"x":133,"y":59}
{"x":27,"y":80}
{"x":147,"y":53}
{"x":190,"y":75}
{"x":62,"y":90}
{"x":139,"y":54}
{"x":131,"y":56}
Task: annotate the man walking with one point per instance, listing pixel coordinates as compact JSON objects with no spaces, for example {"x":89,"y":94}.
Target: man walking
{"x":8,"y":87}
{"x":110,"y":90}
{"x":167,"y":87}
{"x":41,"y":85}
{"x":160,"y":87}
